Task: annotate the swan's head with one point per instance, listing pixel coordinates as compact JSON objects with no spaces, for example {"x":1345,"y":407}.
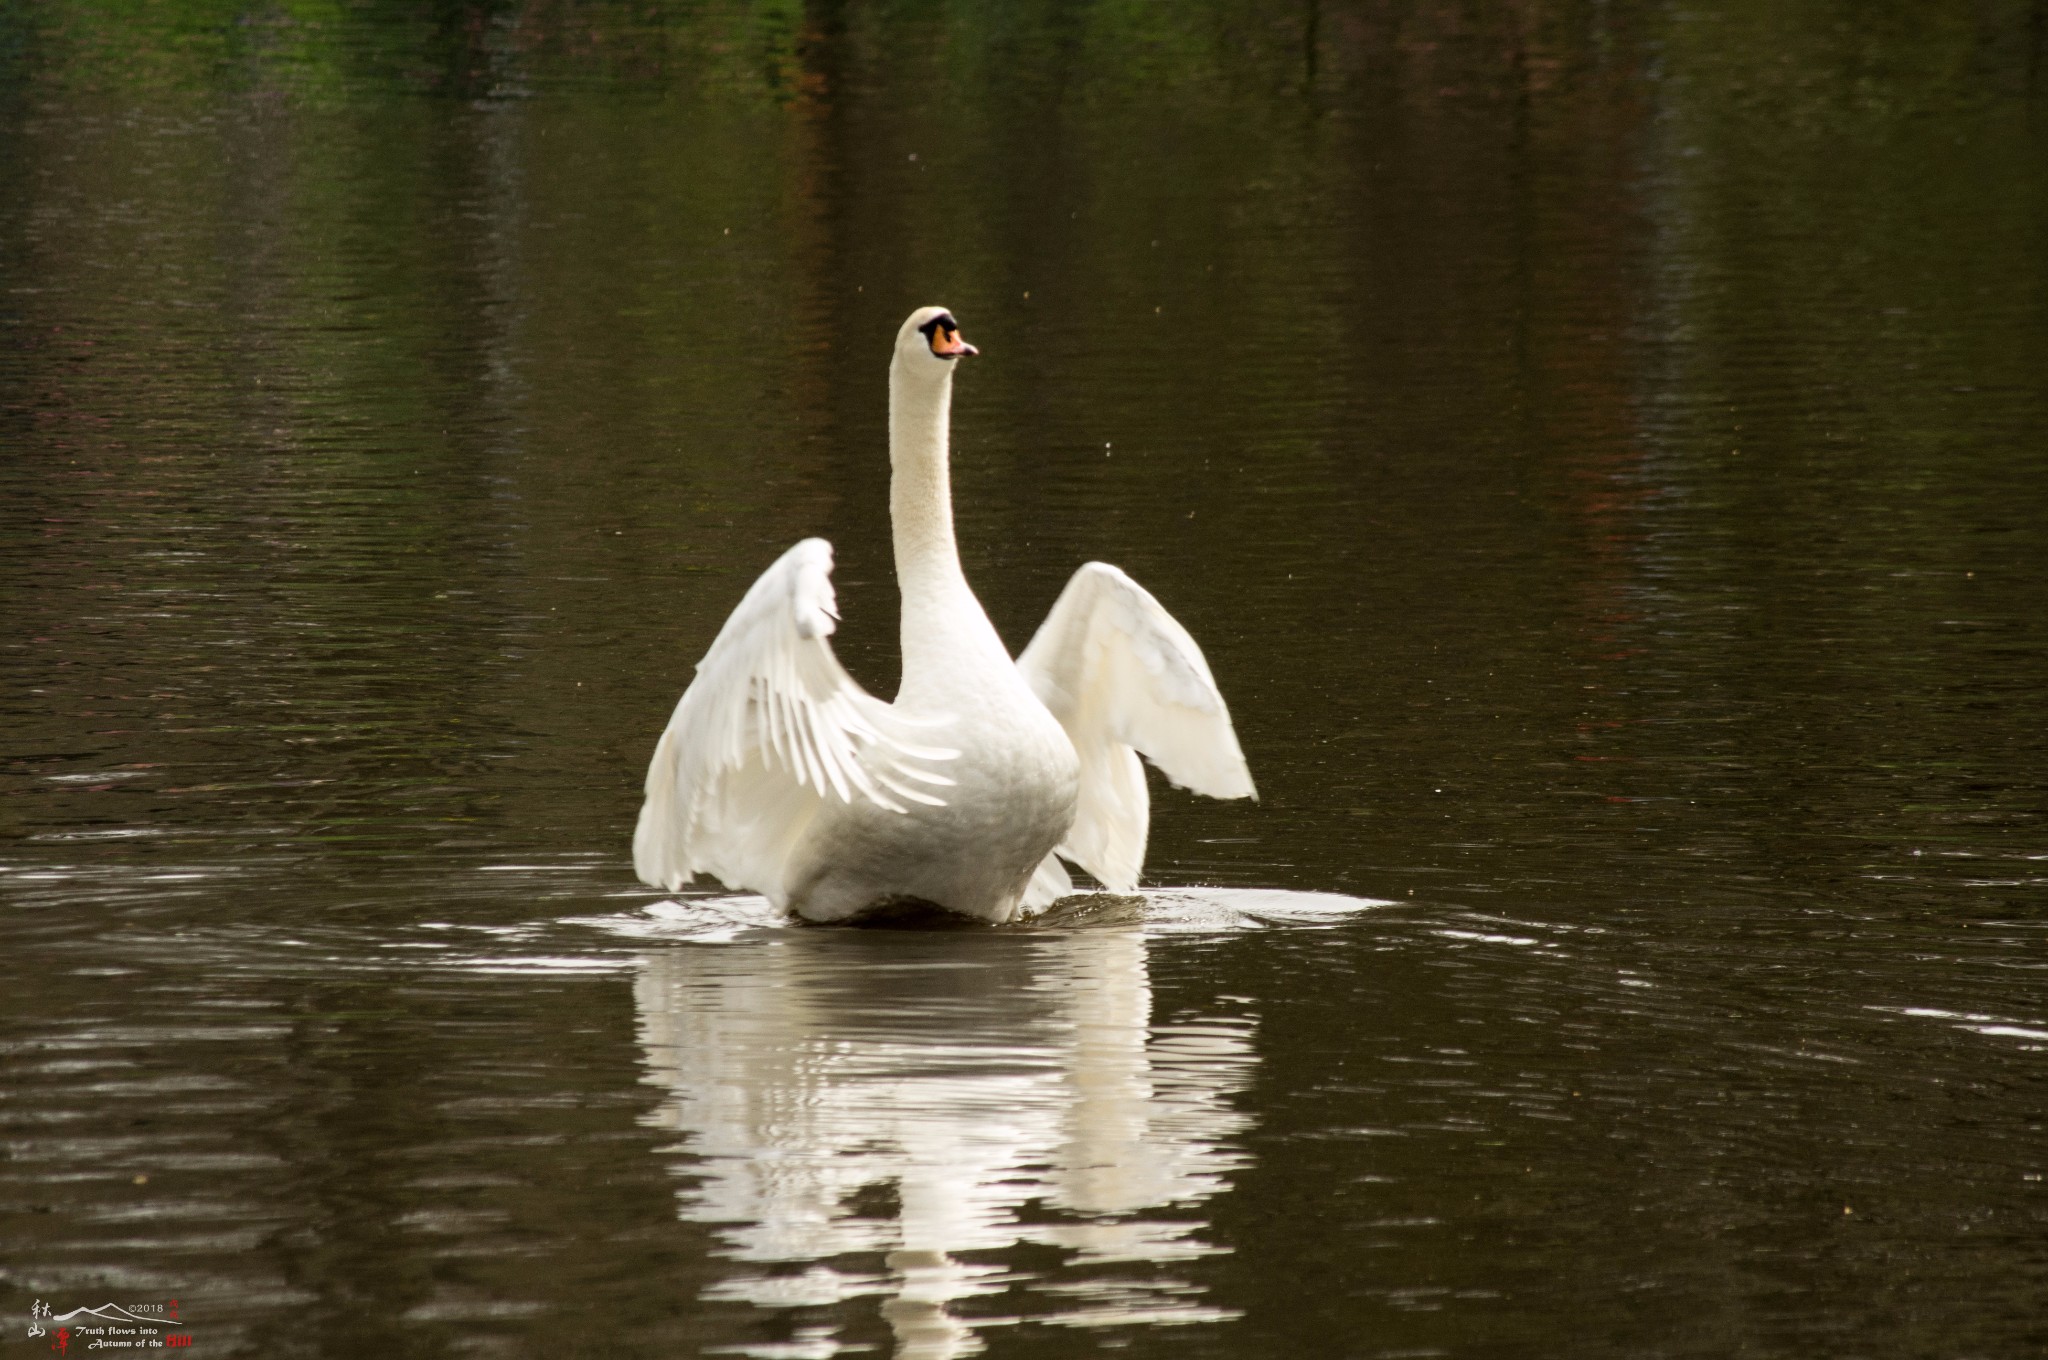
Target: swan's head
{"x":929,"y":342}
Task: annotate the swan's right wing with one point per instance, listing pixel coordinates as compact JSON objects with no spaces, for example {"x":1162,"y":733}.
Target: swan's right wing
{"x":1124,"y":677}
{"x":769,"y":731}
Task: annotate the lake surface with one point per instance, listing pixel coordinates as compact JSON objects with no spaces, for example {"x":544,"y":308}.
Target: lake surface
{"x":1600,"y":447}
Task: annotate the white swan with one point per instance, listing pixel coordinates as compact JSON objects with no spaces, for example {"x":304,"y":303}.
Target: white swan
{"x":781,"y":775}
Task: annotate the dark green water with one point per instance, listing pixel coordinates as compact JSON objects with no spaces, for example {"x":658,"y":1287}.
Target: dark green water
{"x":1600,"y":447}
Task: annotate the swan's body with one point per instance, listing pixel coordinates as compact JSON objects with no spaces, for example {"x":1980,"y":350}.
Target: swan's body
{"x":779,"y":774}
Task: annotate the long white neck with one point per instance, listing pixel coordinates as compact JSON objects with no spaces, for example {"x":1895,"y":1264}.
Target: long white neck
{"x":920,"y":485}
{"x":943,"y":624}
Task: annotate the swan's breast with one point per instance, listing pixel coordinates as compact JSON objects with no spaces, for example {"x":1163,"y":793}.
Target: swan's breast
{"x":1015,"y":784}
{"x":1016,"y":769}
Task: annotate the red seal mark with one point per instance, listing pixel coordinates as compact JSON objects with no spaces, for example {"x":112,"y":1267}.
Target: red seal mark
{"x":174,"y":1310}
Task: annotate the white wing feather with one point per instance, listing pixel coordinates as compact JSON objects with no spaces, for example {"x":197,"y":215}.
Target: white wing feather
{"x":769,"y":731}
{"x":1123,"y":677}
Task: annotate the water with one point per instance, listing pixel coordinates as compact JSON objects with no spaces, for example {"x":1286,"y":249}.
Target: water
{"x":1598,"y":447}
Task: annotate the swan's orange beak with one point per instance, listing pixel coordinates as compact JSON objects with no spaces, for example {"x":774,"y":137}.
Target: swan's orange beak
{"x":947,"y":344}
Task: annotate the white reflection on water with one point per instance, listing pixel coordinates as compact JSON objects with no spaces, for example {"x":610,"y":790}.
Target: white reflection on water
{"x":928,"y":1096}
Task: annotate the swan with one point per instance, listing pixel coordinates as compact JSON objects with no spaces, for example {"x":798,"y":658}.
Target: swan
{"x":780,"y":775}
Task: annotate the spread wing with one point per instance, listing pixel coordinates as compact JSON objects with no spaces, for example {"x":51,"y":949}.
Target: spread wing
{"x":772,"y":729}
{"x":1124,"y":678}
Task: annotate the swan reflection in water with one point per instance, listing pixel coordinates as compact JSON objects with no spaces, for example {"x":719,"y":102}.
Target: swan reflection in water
{"x":921,"y":1098}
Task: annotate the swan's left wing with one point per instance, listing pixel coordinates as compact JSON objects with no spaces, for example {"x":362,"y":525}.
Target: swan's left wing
{"x":1123,"y":677}
{"x":771,"y":729}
